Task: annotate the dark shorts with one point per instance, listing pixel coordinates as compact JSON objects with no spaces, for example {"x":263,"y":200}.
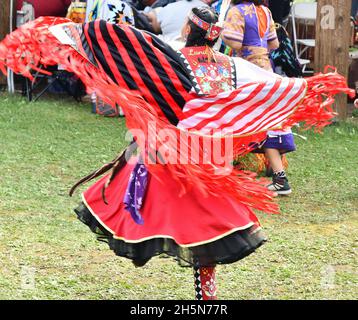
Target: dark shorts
{"x":285,"y":143}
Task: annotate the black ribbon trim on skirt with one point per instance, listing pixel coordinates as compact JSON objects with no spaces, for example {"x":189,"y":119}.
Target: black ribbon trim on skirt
{"x":226,"y":250}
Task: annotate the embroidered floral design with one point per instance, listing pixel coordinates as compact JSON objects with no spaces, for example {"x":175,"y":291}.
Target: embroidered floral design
{"x":225,"y":86}
{"x":249,"y":10}
{"x":206,"y":87}
{"x":209,"y":287}
{"x":201,"y":71}
{"x":209,"y":78}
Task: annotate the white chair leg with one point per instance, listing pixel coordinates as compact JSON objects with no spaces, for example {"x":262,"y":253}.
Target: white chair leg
{"x":10,"y":81}
{"x":303,"y":51}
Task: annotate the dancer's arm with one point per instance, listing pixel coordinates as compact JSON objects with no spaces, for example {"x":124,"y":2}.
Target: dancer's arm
{"x":233,"y":33}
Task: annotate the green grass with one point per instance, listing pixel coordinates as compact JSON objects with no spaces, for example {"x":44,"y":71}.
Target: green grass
{"x":48,"y":145}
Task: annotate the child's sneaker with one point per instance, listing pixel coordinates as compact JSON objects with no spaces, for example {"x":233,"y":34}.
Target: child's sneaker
{"x":280,"y":184}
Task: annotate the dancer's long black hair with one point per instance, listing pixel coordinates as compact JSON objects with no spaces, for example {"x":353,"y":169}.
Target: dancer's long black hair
{"x":196,"y":37}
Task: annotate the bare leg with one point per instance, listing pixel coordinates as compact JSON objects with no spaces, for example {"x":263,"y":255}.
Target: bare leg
{"x":94,"y":102}
{"x":205,"y":285}
{"x":274,"y":157}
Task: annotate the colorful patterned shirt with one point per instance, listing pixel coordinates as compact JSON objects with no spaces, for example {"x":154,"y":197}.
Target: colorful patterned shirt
{"x":251,"y":27}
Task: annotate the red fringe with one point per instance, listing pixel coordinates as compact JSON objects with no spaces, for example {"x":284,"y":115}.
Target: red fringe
{"x":316,"y":108}
{"x":32,"y":45}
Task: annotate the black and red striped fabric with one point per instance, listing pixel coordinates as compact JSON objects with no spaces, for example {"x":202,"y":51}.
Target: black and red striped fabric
{"x":159,"y":80}
{"x":139,"y":61}
{"x":161,"y":89}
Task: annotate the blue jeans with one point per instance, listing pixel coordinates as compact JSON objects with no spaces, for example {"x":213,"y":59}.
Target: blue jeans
{"x":354,"y":8}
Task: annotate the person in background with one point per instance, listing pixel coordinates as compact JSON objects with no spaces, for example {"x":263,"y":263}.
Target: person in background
{"x":142,"y":4}
{"x":161,"y":3}
{"x":280,"y":9}
{"x":169,"y":20}
{"x":250,"y":31}
{"x":77,"y":11}
{"x":116,"y":12}
{"x":56,"y":8}
{"x":113,"y":11}
{"x":354,"y":11}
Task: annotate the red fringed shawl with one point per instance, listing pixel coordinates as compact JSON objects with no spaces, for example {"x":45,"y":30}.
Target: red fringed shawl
{"x":146,"y":78}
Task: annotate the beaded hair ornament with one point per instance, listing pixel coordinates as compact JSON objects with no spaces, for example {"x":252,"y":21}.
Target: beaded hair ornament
{"x":213,"y":31}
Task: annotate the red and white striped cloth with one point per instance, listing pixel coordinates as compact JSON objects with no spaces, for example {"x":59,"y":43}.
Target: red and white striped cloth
{"x":251,"y":108}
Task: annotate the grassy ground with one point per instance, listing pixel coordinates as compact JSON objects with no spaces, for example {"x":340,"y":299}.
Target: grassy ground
{"x":46,"y":146}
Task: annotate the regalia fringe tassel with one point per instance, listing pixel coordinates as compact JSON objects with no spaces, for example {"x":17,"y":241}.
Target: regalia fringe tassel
{"x":32,"y":46}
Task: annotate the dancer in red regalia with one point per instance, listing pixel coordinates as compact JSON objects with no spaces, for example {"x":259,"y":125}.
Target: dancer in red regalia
{"x":199,"y":212}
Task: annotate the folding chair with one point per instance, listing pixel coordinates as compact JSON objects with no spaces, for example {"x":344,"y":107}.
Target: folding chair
{"x":308,"y":13}
{"x":33,"y":90}
{"x":42,"y":83}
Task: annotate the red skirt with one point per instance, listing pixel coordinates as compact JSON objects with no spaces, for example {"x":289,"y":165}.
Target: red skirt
{"x":197,"y":230}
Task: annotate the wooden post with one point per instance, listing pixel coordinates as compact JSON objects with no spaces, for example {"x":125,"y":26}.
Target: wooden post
{"x":333,"y":32}
{"x":4,"y":27}
{"x":4,"y":18}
